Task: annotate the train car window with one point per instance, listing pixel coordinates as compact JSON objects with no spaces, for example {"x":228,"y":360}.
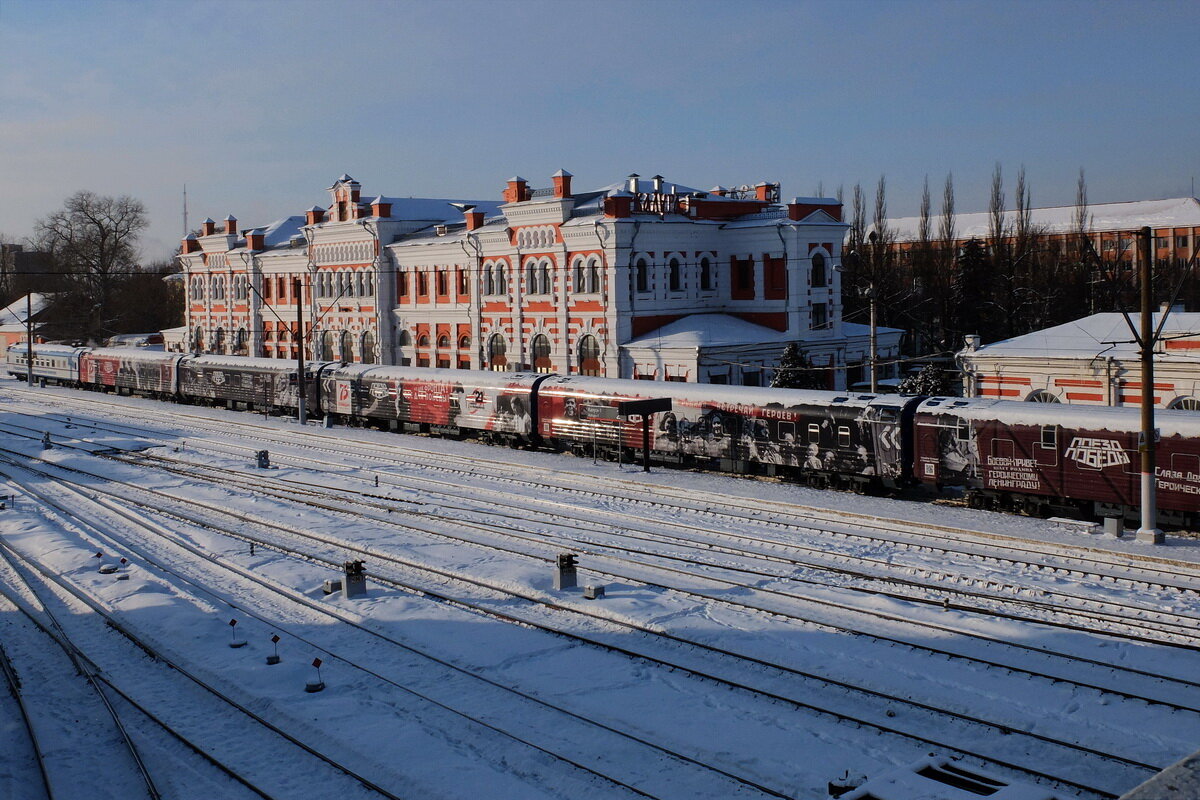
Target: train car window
{"x":1050,"y":436}
{"x":964,"y":430}
{"x":814,"y":433}
{"x":787,"y":432}
{"x":843,"y":436}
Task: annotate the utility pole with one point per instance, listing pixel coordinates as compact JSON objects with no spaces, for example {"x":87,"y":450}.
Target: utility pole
{"x":29,"y":339}
{"x":872,"y":340}
{"x":302,"y":388}
{"x":1149,"y":531}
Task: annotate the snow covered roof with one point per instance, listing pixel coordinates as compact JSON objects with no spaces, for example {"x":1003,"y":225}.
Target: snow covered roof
{"x":436,"y":209}
{"x":1107,"y":418}
{"x":1173,"y":212}
{"x":1102,"y":335}
{"x":710,"y":330}
{"x":14,"y":312}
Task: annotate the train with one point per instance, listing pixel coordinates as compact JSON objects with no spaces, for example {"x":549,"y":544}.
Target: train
{"x":1034,"y":458}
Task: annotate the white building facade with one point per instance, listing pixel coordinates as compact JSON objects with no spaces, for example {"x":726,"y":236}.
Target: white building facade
{"x":600,"y":282}
{"x":1091,"y":361}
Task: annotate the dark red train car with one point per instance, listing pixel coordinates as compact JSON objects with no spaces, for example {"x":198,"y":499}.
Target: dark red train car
{"x":1042,"y":458}
{"x":130,"y":370}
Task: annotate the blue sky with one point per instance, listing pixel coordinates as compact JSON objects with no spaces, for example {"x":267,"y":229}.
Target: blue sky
{"x":257,"y":106}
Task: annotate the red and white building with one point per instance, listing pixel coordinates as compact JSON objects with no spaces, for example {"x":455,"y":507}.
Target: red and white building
{"x":1091,"y":361}
{"x":605,"y":282}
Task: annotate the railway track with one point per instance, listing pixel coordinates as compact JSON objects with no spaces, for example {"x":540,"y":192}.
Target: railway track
{"x":457,"y":599}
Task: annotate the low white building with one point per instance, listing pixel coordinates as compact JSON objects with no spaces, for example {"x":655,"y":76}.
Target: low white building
{"x":1091,"y":361}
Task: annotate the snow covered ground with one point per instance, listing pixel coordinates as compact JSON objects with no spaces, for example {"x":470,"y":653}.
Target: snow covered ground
{"x":755,"y":639}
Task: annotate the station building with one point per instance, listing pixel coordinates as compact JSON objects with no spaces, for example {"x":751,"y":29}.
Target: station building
{"x":639,"y":279}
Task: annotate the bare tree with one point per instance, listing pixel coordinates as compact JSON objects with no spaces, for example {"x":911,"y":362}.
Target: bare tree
{"x":94,"y":238}
{"x":923,"y":227}
{"x":946,"y":232}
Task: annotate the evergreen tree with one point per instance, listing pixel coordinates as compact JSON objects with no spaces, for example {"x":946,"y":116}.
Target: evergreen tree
{"x":795,"y":371}
{"x":972,"y":288}
{"x":930,"y":381}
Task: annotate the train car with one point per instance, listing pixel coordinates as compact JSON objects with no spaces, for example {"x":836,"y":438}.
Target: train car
{"x":1049,"y":458}
{"x":54,"y":363}
{"x":238,"y":382}
{"x":825,"y":438}
{"x":447,"y":401}
{"x":128,"y":370}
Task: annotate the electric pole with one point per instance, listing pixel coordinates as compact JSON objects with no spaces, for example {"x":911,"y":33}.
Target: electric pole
{"x":29,"y":339}
{"x":1149,"y":530}
{"x":301,"y":383}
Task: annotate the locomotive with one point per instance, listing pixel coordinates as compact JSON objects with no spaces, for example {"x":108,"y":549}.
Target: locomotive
{"x":1034,"y":458}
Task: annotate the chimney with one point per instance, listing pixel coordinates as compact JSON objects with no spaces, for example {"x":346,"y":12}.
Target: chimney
{"x":762,"y":192}
{"x":231,"y":225}
{"x":208,"y":227}
{"x":657,"y":182}
{"x":618,"y":205}
{"x":971,"y":342}
{"x":474,"y":219}
{"x":562,"y":183}
{"x":718,"y":190}
{"x":380,"y":207}
{"x":190,"y":244}
{"x":256,"y":239}
{"x":314,"y":216}
{"x":517,"y":191}
{"x":631,"y":185}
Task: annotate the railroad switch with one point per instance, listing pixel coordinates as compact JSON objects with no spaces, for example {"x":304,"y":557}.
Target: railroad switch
{"x":354,"y":584}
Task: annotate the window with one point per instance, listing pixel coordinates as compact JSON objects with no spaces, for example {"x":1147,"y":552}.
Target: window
{"x":443,"y":341}
{"x":820,"y":317}
{"x":1050,"y":436}
{"x":464,"y":343}
{"x":577,"y":280}
{"x":401,"y":283}
{"x":405,"y":339}
{"x":1041,"y":396}
{"x":241,"y":343}
{"x":963,"y":432}
{"x":676,"y":275}
{"x":814,"y":434}
{"x":489,"y":282}
{"x":751,"y":377}
{"x":744,"y":274}
{"x":843,"y":436}
{"x":539,"y":354}
{"x":441,"y":281}
{"x":422,"y":284}
{"x":496,"y":353}
{"x":1181,"y":241}
{"x":589,"y":356}
{"x":368,"y":347}
{"x":501,"y":279}
{"x":327,"y":346}
{"x":641,"y":275}
{"x":721,"y":379}
{"x":818,"y":270}
{"x":593,"y":275}
{"x":463,"y":286}
{"x":423,"y":340}
{"x":1162,"y":241}
{"x":1186,"y":404}
{"x":706,"y":281}
{"x":218,"y":344}
{"x":198,"y":340}
{"x":544,"y":277}
{"x":347,"y":346}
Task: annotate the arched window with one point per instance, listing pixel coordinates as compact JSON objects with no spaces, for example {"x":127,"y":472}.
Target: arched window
{"x":577,"y":279}
{"x":496,"y":353}
{"x":531,"y":286}
{"x":369,"y":284}
{"x":489,"y":281}
{"x":589,"y":356}
{"x":347,"y":346}
{"x":676,"y":273}
{"x":241,"y":342}
{"x":405,"y":339}
{"x":706,"y":275}
{"x":544,"y":277}
{"x":368,"y":347}
{"x":641,"y":275}
{"x":443,"y":341}
{"x":819,"y":278}
{"x":327,"y":342}
{"x":539,"y":354}
{"x":198,"y":340}
{"x":423,"y":340}
{"x":1042,"y":396}
{"x":1186,"y":404}
{"x":218,"y":344}
{"x":464,"y":343}
{"x":501,"y":278}
{"x":593,"y":275}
